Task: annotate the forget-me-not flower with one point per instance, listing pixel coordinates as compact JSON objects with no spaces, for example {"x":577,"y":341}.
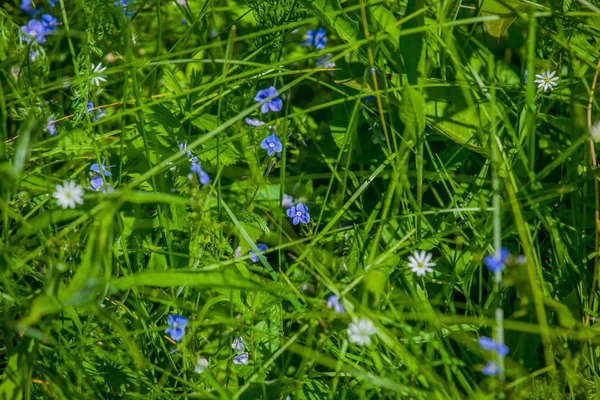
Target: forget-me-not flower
{"x":49,"y":23}
{"x":238,"y":344}
{"x":272,"y":144}
{"x":274,"y":104}
{"x":496,"y":262}
{"x":298,"y":213}
{"x":334,"y":302}
{"x":98,"y":185}
{"x":261,"y":247}
{"x":127,"y":6}
{"x":195,"y":168}
{"x":176,"y":327}
{"x":96,"y":168}
{"x":315,"y":38}
{"x":34,"y":30}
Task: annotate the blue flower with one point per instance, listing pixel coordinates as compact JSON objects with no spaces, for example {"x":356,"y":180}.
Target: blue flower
{"x":496,"y":262}
{"x":195,"y":168}
{"x":34,"y":30}
{"x":490,"y":344}
{"x":126,"y":5}
{"x":272,"y":144}
{"x":96,"y":168}
{"x":254,"y":122}
{"x":49,"y":23}
{"x":299,"y":213}
{"x":273,"y":105}
{"x":99,"y":115}
{"x":52,"y":3}
{"x":490,"y":369}
{"x":334,"y":302}
{"x":241,"y":359}
{"x":28,"y":7}
{"x":176,"y":327}
{"x":238,"y":344}
{"x":315,"y":38}
{"x":98,"y":184}
{"x":90,"y":106}
{"x":369,"y":98}
{"x":51,"y":127}
{"x":184,"y":150}
{"x":261,"y":247}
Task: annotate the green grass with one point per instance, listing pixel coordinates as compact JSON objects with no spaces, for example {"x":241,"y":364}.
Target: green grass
{"x":423,"y":137}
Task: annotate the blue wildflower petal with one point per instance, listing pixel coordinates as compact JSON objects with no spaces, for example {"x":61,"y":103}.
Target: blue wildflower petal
{"x":204,"y":178}
{"x":278,"y":146}
{"x":28,"y":7}
{"x":254,"y":122}
{"x":305,"y":218}
{"x":502,"y":350}
{"x":301,"y":208}
{"x":291,"y":212}
{"x":177,"y":334}
{"x":34,"y":30}
{"x":241,"y":359}
{"x":490,"y":369}
{"x":51,"y":127}
{"x":275,"y":105}
{"x":264,"y":108}
{"x":49,"y":22}
{"x":181,"y":321}
{"x":97,"y":183}
{"x":265,"y":143}
{"x":487,"y":343}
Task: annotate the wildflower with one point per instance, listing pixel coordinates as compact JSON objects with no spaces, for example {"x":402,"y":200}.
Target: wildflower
{"x":99,"y":115}
{"x":29,"y":7}
{"x":195,"y":168}
{"x":241,"y":359}
{"x":34,"y":30}
{"x":272,"y":144}
{"x":298,"y":213}
{"x":126,"y":5}
{"x":90,"y":106}
{"x":595,"y":132}
{"x":51,"y":127}
{"x":496,"y":262}
{"x":315,"y":38}
{"x":96,"y":78}
{"x":287,"y":201}
{"x":547,"y":80}
{"x":68,"y":195}
{"x":490,"y":344}
{"x":201,"y":365}
{"x":334,"y":302}
{"x":360,"y":331}
{"x":184,"y":150}
{"x":490,"y":369}
{"x":98,"y":185}
{"x":52,"y":3}
{"x":325,"y":62}
{"x":176,"y":327}
{"x":254,"y":122}
{"x":238,"y":344}
{"x":49,"y":23}
{"x":420,"y":263}
{"x":96,"y":168}
{"x":238,"y":252}
{"x":262,"y":247}
{"x":274,"y":104}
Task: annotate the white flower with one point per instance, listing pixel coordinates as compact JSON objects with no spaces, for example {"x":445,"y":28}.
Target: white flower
{"x":360,"y":331}
{"x":68,"y":195}
{"x":420,"y":263}
{"x":546,"y":80}
{"x":201,"y":365}
{"x":96,"y":78}
{"x":595,"y":132}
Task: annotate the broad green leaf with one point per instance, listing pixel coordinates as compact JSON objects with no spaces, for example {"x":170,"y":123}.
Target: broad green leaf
{"x":504,"y":9}
{"x":412,"y":112}
{"x":386,"y":20}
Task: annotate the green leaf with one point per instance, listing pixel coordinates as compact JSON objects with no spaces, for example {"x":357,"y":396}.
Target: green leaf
{"x":332,"y":12}
{"x":504,"y":9}
{"x":16,"y":380}
{"x":411,"y":46}
{"x":412,"y":112}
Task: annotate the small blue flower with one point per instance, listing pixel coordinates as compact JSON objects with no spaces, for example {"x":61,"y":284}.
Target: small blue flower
{"x":254,"y":122}
{"x":241,"y":359}
{"x":28,"y":7}
{"x":298,"y":213}
{"x":274,"y":104}
{"x":34,"y":30}
{"x":96,"y":168}
{"x":272,"y":144}
{"x":127,"y":6}
{"x":176,"y":327}
{"x":334,"y":302}
{"x":369,"y":98}
{"x":99,"y":115}
{"x":98,"y":185}
{"x":490,"y":369}
{"x":261,"y":247}
{"x":49,"y":23}
{"x":490,"y":344}
{"x":315,"y":38}
{"x":51,"y":127}
{"x":184,"y":150}
{"x":52,"y":3}
{"x":496,"y":262}
{"x":90,"y":106}
{"x":238,"y":344}
{"x":195,"y":168}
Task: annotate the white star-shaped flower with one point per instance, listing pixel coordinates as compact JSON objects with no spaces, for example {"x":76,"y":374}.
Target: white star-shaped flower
{"x":420,"y":263}
{"x":96,"y":78}
{"x":547,"y":80}
{"x":68,"y":195}
{"x":595,"y":132}
{"x":360,"y":331}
